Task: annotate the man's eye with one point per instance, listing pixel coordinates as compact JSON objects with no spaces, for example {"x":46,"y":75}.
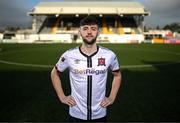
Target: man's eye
{"x":84,"y":28}
{"x":94,"y":29}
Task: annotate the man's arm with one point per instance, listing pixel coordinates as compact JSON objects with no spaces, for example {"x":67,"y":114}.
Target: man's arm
{"x":114,"y":90}
{"x":56,"y":81}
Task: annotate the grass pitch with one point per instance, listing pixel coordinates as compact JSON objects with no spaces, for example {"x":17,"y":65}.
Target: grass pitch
{"x":149,"y":91}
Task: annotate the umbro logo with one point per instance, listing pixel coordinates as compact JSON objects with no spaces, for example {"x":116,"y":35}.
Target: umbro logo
{"x":76,"y":61}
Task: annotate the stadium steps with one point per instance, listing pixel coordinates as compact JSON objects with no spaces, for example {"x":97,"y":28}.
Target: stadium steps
{"x":128,"y":22}
{"x":47,"y":25}
{"x":120,"y":27}
{"x":42,"y":26}
{"x":55,"y":28}
{"x":105,"y":28}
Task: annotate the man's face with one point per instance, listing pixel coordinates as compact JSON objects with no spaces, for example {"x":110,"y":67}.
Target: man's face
{"x":89,"y":33}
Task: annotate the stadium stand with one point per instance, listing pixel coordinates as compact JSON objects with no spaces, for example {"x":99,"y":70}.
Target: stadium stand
{"x":120,"y":22}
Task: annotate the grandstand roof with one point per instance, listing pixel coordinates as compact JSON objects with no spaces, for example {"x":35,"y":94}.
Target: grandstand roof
{"x":101,"y":7}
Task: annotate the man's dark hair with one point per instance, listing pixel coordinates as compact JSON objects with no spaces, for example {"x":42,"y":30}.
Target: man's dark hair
{"x":89,"y":20}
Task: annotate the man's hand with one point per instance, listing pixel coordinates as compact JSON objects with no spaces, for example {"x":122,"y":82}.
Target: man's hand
{"x":115,"y":87}
{"x":106,"y":102}
{"x":69,"y":100}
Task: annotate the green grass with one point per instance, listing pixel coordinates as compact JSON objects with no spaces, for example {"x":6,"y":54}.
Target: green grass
{"x":146,"y":94}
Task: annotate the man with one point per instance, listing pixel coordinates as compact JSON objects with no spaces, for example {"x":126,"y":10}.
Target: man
{"x":88,"y":67}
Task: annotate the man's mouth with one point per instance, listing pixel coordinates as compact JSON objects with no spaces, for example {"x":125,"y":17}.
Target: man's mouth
{"x":89,"y":36}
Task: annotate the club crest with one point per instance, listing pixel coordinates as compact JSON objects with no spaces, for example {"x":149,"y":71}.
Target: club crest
{"x":101,"y":62}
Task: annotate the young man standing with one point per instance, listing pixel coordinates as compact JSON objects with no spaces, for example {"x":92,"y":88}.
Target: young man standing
{"x":88,"y":68}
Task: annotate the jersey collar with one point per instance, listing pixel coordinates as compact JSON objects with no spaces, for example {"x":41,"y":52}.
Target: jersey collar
{"x":89,"y":55}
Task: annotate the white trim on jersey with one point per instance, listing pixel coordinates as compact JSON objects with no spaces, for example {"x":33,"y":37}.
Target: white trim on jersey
{"x":88,"y":76}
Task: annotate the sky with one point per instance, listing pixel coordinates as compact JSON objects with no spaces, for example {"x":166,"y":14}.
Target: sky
{"x":14,"y":12}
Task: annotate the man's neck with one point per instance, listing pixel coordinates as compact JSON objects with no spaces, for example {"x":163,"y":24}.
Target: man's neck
{"x":89,"y":49}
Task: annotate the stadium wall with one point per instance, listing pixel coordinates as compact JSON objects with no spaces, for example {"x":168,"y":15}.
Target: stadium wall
{"x":44,"y":38}
{"x":68,"y":38}
{"x":1,"y":36}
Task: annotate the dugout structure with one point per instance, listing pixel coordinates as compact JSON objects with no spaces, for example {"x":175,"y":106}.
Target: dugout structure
{"x":119,"y":21}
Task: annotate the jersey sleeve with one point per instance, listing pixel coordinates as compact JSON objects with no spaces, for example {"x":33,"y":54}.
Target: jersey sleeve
{"x":62,"y":64}
{"x":114,"y":65}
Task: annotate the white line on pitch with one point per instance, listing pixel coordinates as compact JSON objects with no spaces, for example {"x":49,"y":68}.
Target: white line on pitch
{"x":50,"y":66}
{"x":27,"y":65}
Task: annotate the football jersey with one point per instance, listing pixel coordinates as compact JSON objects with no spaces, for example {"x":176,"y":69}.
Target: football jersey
{"x":88,"y":76}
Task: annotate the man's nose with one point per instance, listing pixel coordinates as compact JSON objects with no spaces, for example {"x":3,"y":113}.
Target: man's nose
{"x":89,"y":31}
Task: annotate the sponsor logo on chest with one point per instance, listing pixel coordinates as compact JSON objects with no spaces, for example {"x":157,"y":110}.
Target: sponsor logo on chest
{"x":89,"y":71}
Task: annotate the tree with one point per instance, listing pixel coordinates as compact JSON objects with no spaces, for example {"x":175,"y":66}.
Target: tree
{"x":174,"y":27}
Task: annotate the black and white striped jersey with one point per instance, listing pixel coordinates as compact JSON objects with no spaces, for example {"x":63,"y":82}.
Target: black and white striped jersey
{"x":88,"y":76}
